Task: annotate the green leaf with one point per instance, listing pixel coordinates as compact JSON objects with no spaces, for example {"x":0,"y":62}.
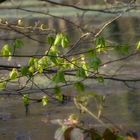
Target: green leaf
{"x":45,"y":100}
{"x":81,"y":72}
{"x":123,"y":49}
{"x":100,"y":79}
{"x":26,"y":99}
{"x":40,"y":68}
{"x":24,"y":70}
{"x":31,"y":69}
{"x":13,"y":74}
{"x":2,"y":85}
{"x":138,"y":46}
{"x":100,"y":44}
{"x":65,"y":41}
{"x":18,"y":43}
{"x":95,"y":62}
{"x":120,"y":138}
{"x":53,"y":57}
{"x":58,"y":39}
{"x":59,"y":77}
{"x":50,"y":40}
{"x":57,"y":92}
{"x":43,"y":61}
{"x":79,"y":86}
{"x":6,"y":51}
{"x":31,"y":61}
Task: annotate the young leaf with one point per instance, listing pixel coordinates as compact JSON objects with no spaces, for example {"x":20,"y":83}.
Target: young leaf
{"x":18,"y":43}
{"x":26,"y":99}
{"x":100,"y":44}
{"x":123,"y":49}
{"x":59,"y":77}
{"x":45,"y":100}
{"x":95,"y":62}
{"x":57,"y":90}
{"x":65,"y":41}
{"x":31,"y":61}
{"x":100,"y":79}
{"x":79,"y":86}
{"x":2,"y":85}
{"x":57,"y":40}
{"x":81,"y":72}
{"x":138,"y":46}
{"x":6,"y":50}
{"x":50,"y":40}
{"x":24,"y":70}
{"x":13,"y":74}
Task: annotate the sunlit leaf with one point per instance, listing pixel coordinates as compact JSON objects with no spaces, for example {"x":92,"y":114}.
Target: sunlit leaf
{"x":58,"y":39}
{"x":13,"y":74}
{"x":2,"y":85}
{"x":31,"y":61}
{"x":65,"y":41}
{"x":138,"y":46}
{"x":26,"y":99}
{"x":100,"y":44}
{"x":6,"y":51}
{"x":45,"y":100}
{"x":31,"y":70}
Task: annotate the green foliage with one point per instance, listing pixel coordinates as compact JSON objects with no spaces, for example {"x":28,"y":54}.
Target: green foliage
{"x":24,"y":70}
{"x":79,"y":86}
{"x":122,"y":49}
{"x":18,"y":43}
{"x":59,"y":77}
{"x":138,"y":46}
{"x":26,"y":99}
{"x":57,"y":92}
{"x":6,"y":51}
{"x":100,"y":44}
{"x":45,"y":100}
{"x":2,"y":85}
{"x":81,"y":72}
{"x":51,"y":40}
{"x":62,"y":40}
{"x":95,"y":62}
{"x":13,"y":74}
{"x":100,"y":79}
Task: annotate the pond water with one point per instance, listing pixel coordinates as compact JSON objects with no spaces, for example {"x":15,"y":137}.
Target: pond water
{"x":122,"y":105}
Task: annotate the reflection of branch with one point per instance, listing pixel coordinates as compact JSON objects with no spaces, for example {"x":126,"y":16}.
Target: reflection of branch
{"x":120,"y":59}
{"x":86,"y":9}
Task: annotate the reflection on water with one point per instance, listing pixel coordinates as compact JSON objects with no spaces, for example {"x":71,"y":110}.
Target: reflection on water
{"x":121,"y":107}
